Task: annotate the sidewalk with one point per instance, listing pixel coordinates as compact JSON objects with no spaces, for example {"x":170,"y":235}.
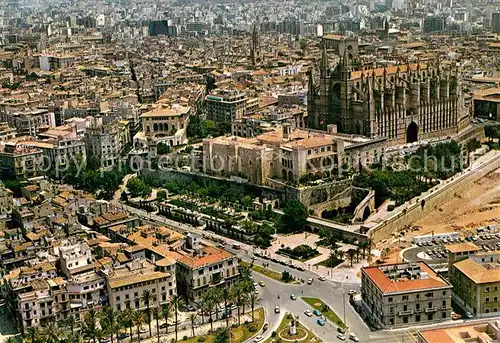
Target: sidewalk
{"x":200,"y":329}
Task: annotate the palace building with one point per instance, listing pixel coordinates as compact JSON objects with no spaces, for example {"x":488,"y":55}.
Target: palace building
{"x":403,"y":103}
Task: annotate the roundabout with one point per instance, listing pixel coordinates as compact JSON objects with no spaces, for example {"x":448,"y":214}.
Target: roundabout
{"x":300,"y":335}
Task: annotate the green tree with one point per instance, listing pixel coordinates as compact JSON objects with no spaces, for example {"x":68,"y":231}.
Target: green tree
{"x":207,"y":307}
{"x":157,"y":316}
{"x":351,"y":253}
{"x":138,"y":319}
{"x":227,"y":297}
{"x":146,"y":298}
{"x":192,"y":318}
{"x":177,"y":303}
{"x":254,"y":300}
{"x":90,"y":325}
{"x":238,"y":291}
{"x":51,"y":333}
{"x":295,"y":217}
{"x":166,"y":313}
{"x":161,"y":195}
{"x":127,"y":319}
{"x":109,"y":322}
{"x":137,"y":187}
{"x":222,"y":335}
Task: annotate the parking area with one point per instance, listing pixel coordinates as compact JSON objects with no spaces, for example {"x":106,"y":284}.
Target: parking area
{"x":434,"y":252}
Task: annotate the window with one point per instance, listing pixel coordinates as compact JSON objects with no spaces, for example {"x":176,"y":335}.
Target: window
{"x":405,"y":298}
{"x":405,"y":308}
{"x":487,"y":299}
{"x":118,"y":298}
{"x":417,"y":317}
{"x":487,"y":310}
{"x":405,"y":320}
{"x":429,"y":304}
{"x":417,"y":306}
{"x":389,"y":299}
{"x":443,"y":303}
{"x":487,"y":289}
{"x":126,"y":296}
{"x":391,"y":309}
{"x":443,"y":315}
{"x":444,"y":292}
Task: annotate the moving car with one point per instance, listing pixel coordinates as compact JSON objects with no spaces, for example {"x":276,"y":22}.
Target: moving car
{"x":293,"y":297}
{"x":277,"y":309}
{"x":352,"y":292}
{"x":341,"y":336}
{"x":469,"y":315}
{"x":266,"y":326}
{"x":317,"y":312}
{"x":258,"y":338}
{"x":262,"y":284}
{"x":310,"y":281}
{"x":353,"y":337}
{"x":308,"y":313}
{"x":322,"y":278}
{"x":321,"y":322}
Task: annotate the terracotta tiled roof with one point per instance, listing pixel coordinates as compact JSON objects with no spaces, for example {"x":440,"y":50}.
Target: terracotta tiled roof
{"x":389,"y":70}
{"x":477,"y":272}
{"x":386,"y":285}
{"x":462,"y":247}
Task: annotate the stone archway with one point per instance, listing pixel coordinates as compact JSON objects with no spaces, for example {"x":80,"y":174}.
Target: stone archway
{"x":412,"y":133}
{"x":366,"y":213}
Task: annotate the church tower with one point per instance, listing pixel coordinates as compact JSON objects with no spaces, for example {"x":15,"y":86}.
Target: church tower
{"x":255,"y":53}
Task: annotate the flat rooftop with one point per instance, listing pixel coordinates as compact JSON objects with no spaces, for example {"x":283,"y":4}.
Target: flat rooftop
{"x":404,"y":277}
{"x":477,"y":332}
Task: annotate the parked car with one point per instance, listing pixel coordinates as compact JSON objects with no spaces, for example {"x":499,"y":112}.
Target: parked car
{"x":310,"y":281}
{"x":321,"y":322}
{"x":340,"y":330}
{"x":322,"y":278}
{"x":352,"y":292}
{"x":317,"y":312}
{"x":266,"y":326}
{"x":469,"y":315}
{"x":258,"y":338}
{"x":455,"y":316}
{"x":293,"y":297}
{"x":308,"y":313}
{"x":341,"y":336}
{"x":277,"y":309}
{"x":353,"y":337}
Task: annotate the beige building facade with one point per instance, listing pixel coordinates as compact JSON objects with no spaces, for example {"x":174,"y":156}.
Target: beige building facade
{"x":402,"y":295}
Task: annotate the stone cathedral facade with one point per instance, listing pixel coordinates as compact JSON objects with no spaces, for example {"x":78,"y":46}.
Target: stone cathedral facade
{"x":403,"y":103}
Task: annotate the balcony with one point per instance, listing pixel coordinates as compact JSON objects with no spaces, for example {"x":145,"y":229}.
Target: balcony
{"x":430,"y":309}
{"x":405,"y":313}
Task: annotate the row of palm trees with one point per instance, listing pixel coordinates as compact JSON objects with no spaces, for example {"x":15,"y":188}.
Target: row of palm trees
{"x":109,"y":323}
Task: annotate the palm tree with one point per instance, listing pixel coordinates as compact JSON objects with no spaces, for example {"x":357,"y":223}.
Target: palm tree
{"x":70,"y":322}
{"x":33,"y":334}
{"x":166,"y":312}
{"x":226,"y":297}
{"x":238,"y":290}
{"x":254,"y":300}
{"x":99,"y":334}
{"x":177,"y":302}
{"x":157,"y":315}
{"x":51,"y":333}
{"x":127,"y":319}
{"x":12,"y":340}
{"x":147,"y":297}
{"x":363,"y":245}
{"x":90,"y":325}
{"x":207,"y":307}
{"x":192,"y":318}
{"x":138,"y":318}
{"x":109,"y":321}
{"x":217,"y":298}
{"x":351,"y":253}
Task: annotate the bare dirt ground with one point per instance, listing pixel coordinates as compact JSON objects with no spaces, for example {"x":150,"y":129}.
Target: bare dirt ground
{"x":478,"y":206}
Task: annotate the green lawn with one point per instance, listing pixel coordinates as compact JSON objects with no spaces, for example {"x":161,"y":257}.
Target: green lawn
{"x":267,"y":272}
{"x":241,"y":333}
{"x":311,"y":338}
{"x":318,"y":304}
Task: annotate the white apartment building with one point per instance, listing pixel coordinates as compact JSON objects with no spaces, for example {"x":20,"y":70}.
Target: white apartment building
{"x":86,"y":291}
{"x":75,"y":259}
